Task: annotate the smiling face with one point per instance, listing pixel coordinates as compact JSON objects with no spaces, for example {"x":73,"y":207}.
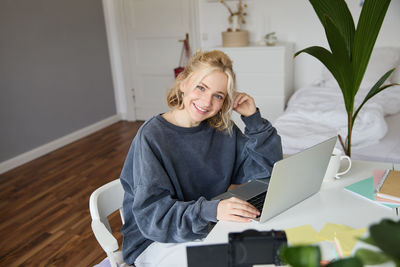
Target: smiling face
{"x":207,"y":74}
{"x":202,"y":98}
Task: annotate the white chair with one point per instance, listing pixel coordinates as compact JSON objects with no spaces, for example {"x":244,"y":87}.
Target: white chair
{"x":104,"y":201}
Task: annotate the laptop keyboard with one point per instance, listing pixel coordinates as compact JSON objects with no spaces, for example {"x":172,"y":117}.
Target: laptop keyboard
{"x":258,"y":201}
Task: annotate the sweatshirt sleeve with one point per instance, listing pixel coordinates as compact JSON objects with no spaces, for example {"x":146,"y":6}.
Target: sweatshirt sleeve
{"x":257,"y":150}
{"x":157,"y":210}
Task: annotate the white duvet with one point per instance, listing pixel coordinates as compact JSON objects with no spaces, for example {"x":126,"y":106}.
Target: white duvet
{"x":316,"y":113}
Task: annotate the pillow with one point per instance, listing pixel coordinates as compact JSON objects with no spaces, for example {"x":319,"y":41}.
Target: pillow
{"x":382,"y":60}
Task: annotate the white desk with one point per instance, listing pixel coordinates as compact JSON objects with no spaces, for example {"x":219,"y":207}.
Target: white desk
{"x":332,"y":204}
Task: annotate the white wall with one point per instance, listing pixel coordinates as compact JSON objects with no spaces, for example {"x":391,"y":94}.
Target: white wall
{"x":292,"y":20}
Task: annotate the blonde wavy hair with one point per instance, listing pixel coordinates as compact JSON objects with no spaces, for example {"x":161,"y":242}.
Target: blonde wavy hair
{"x":208,"y":62}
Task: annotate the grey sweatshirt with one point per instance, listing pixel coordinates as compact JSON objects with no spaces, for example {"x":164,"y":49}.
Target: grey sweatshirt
{"x":171,"y":173}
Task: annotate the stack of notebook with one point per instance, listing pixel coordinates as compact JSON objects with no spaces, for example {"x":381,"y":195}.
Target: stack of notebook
{"x":383,"y":188}
{"x":387,"y":186}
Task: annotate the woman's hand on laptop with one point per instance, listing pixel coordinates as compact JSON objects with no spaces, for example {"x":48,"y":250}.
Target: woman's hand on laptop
{"x":236,"y":210}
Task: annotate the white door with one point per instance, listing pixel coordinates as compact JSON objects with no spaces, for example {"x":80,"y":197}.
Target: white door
{"x":153,"y":33}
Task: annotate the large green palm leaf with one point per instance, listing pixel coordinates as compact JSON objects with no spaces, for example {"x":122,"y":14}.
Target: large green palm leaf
{"x":368,"y":27}
{"x":351,"y":49}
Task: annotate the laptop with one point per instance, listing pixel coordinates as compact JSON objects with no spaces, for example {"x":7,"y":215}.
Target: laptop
{"x":293,"y":179}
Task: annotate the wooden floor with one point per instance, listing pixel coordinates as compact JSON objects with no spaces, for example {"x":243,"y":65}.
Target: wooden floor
{"x":44,"y":204}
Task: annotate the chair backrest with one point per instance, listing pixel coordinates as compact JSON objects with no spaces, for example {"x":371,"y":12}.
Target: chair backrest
{"x":105,"y":200}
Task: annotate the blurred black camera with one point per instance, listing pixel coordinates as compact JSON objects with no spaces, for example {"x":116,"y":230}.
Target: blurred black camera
{"x":253,"y":247}
{"x":243,"y":250}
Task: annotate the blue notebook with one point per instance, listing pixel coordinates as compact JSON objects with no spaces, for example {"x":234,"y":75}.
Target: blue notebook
{"x":365,"y":188}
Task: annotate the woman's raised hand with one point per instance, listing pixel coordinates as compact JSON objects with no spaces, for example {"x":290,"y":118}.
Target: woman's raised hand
{"x":236,"y":210}
{"x":244,"y":104}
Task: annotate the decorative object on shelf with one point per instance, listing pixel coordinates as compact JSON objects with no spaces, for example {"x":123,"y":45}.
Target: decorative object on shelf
{"x":351,"y":50}
{"x":270,"y":39}
{"x":235,"y":36}
{"x":239,"y":38}
{"x":236,"y":18}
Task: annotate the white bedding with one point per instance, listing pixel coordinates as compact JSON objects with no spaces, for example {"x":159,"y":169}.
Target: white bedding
{"x":315,"y":113}
{"x":388,"y":148}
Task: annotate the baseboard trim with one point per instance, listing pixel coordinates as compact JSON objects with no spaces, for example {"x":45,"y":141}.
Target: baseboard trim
{"x":53,"y":145}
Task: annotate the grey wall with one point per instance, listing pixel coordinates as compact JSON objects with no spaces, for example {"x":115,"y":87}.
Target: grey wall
{"x":55,"y":75}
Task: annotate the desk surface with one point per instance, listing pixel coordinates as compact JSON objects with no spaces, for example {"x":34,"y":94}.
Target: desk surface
{"x":332,"y":204}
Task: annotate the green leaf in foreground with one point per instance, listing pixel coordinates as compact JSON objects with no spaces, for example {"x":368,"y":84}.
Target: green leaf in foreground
{"x":371,"y":257}
{"x":301,"y":256}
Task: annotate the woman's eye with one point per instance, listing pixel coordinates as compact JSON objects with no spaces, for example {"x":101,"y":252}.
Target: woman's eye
{"x":219,"y":97}
{"x":201,"y":88}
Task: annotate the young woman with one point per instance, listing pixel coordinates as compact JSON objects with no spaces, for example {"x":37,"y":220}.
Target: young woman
{"x":179,"y":160}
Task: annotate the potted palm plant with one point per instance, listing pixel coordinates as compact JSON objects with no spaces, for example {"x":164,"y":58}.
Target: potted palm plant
{"x":351,"y":50}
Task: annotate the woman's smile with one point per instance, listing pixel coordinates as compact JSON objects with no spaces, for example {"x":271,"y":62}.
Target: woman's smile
{"x":201,"y":110}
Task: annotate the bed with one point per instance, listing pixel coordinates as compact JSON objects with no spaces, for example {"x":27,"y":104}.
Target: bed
{"x":316,"y":112}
